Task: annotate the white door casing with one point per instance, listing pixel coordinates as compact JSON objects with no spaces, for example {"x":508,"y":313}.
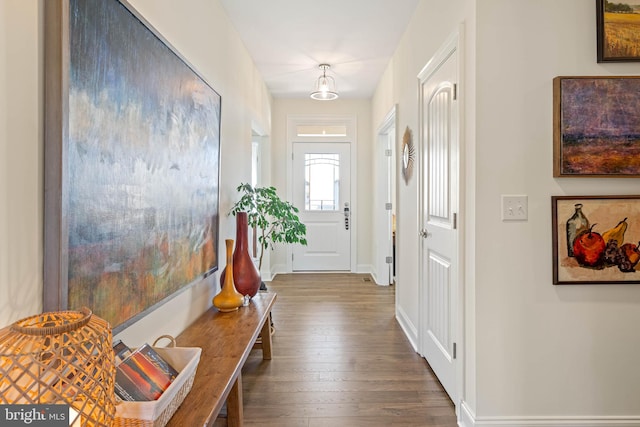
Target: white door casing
{"x":384,"y":200}
{"x":439,"y":290}
{"x":322,"y":193}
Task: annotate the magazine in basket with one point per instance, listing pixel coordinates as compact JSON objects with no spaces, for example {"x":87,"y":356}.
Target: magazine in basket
{"x":143,"y":375}
{"x":156,"y":413}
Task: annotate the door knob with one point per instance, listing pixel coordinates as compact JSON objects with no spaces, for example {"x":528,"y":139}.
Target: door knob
{"x":424,"y":233}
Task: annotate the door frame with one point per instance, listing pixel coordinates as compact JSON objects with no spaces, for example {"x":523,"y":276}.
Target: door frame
{"x":381,"y":216}
{"x":350,"y":123}
{"x":453,"y":45}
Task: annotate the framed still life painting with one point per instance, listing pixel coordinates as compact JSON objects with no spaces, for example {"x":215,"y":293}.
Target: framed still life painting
{"x":595,"y":239}
{"x":596,"y":126}
{"x":132,"y":137}
{"x":618,"y":30}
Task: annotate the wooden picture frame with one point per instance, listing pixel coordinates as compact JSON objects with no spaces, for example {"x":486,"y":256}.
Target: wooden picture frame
{"x":618,"y":31}
{"x":596,"y":126}
{"x":595,"y":239}
{"x":132,"y":153}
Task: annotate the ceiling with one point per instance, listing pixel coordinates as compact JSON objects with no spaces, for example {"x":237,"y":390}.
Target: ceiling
{"x":288,"y":39}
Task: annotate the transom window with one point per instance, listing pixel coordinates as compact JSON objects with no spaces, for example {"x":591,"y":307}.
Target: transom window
{"x":320,"y":131}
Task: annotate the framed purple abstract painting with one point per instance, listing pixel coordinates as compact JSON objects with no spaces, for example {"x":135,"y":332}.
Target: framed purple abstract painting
{"x":596,"y":126}
{"x":132,"y":137}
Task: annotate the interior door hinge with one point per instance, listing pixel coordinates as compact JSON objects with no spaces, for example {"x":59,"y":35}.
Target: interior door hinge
{"x":387,"y":153}
{"x":455,"y":221}
{"x":455,"y":91}
{"x":388,"y":206}
{"x":389,"y":260}
{"x":455,"y":348}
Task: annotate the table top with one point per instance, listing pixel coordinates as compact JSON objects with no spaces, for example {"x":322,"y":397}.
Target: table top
{"x":226,"y":340}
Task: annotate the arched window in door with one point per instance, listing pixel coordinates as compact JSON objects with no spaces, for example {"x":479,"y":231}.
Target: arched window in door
{"x":322,"y":182}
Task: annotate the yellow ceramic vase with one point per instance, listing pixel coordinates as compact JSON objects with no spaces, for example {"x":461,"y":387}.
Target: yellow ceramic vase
{"x":228,"y":299}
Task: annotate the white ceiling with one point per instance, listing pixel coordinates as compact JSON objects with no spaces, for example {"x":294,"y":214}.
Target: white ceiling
{"x":288,"y":39}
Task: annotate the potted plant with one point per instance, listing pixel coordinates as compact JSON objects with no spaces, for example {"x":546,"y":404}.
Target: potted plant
{"x":275,"y":220}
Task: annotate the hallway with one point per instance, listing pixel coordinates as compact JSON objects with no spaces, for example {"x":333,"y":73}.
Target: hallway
{"x":340,"y":359}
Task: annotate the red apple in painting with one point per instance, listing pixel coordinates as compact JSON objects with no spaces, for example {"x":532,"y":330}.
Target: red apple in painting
{"x":588,"y":248}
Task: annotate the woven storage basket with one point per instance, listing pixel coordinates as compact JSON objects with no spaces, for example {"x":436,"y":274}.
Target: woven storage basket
{"x":62,"y":357}
{"x":157,"y":413}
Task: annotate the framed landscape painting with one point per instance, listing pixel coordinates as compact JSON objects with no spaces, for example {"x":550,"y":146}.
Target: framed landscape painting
{"x":596,"y":126}
{"x":595,"y":239}
{"x":132,"y":137}
{"x":618,"y":30}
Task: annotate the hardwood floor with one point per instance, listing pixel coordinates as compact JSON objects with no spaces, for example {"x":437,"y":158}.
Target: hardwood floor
{"x":340,"y":359}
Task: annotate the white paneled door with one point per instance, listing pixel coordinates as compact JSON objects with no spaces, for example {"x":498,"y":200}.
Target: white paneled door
{"x":322,"y":191}
{"x":439,"y":174}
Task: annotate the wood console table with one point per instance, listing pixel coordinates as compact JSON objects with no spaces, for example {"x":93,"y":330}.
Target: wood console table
{"x":226,"y":340}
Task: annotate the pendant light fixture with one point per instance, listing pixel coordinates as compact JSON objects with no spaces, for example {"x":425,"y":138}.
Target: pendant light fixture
{"x":325,"y":88}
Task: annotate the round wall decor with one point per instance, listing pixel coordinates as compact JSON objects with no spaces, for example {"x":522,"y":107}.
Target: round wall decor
{"x":408,"y":153}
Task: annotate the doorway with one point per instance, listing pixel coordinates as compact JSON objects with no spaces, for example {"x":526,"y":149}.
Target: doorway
{"x":385,"y":202}
{"x":322,"y":185}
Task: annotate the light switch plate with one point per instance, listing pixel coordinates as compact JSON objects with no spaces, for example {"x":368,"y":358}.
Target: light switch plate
{"x":515,"y":208}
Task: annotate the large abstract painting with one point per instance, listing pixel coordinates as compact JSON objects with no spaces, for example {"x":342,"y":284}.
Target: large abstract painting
{"x":132,"y":164}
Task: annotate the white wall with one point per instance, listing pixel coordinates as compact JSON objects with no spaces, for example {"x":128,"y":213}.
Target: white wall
{"x":21,"y":159}
{"x":541,"y":349}
{"x":535,"y":353}
{"x":361,"y":109}
{"x":200,"y":31}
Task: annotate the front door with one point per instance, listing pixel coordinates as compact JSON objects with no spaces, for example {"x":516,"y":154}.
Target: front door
{"x":321,"y":190}
{"x":439,"y":174}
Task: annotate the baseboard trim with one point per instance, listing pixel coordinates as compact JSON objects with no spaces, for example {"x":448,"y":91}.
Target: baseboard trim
{"x":468,"y":419}
{"x":374,"y":276}
{"x":277,"y":269}
{"x":364,"y":269}
{"x":267,"y":276}
{"x":407,"y":327}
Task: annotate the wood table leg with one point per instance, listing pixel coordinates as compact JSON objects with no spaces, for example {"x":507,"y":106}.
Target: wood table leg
{"x":234,"y":404}
{"x":266,"y":338}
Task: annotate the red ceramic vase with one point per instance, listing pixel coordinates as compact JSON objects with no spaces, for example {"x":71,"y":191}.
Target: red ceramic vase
{"x":245,"y":274}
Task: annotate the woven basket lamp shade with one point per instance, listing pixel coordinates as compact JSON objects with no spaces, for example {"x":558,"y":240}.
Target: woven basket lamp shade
{"x":60,"y":358}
